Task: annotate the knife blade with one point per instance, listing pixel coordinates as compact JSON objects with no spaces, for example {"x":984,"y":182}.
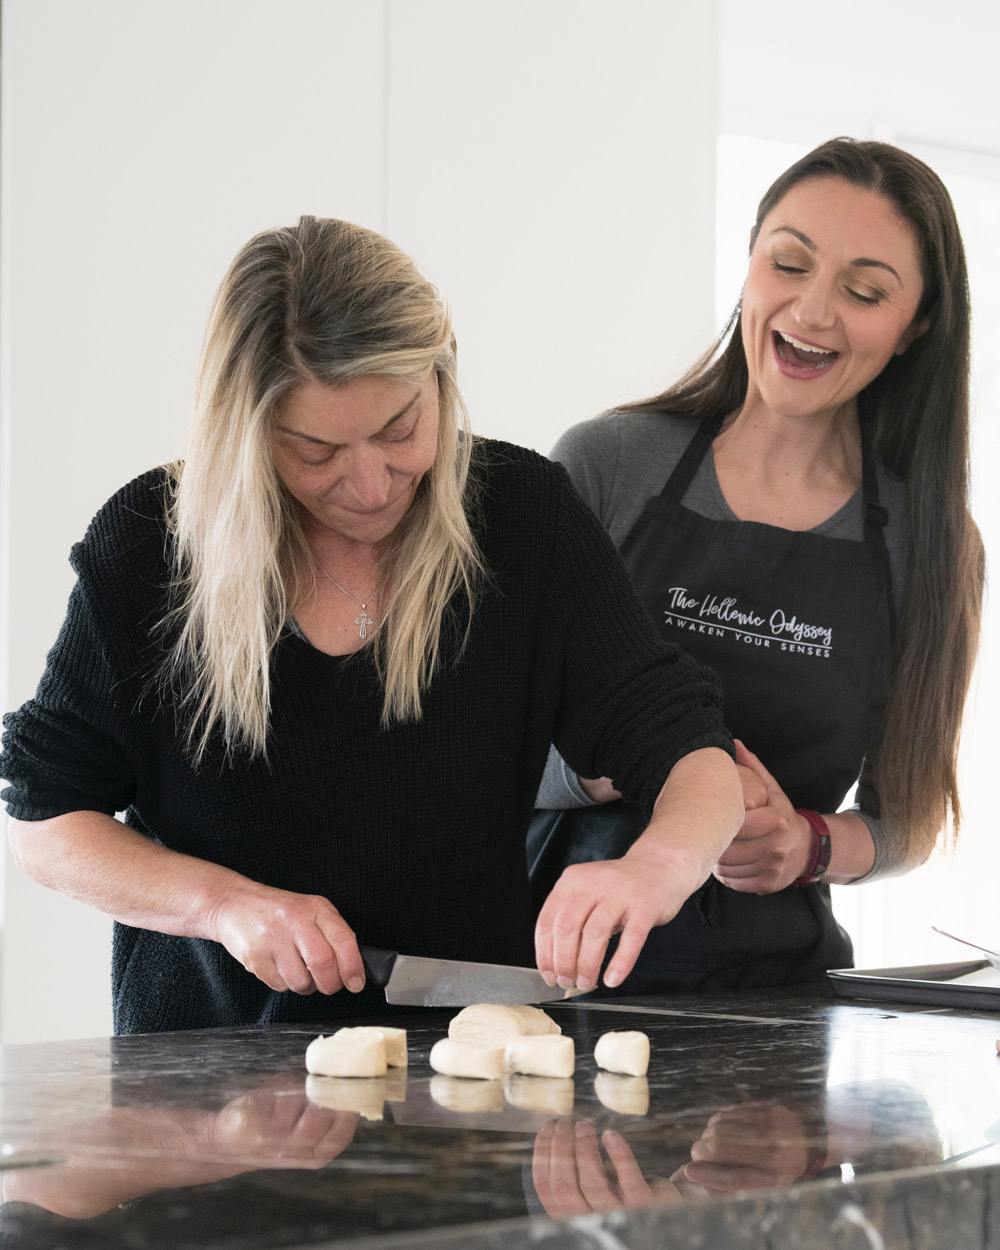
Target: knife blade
{"x":422,"y":981}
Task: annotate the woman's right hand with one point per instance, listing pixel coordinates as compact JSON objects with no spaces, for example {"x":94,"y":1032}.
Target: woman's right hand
{"x":297,"y":942}
{"x":754,"y":790}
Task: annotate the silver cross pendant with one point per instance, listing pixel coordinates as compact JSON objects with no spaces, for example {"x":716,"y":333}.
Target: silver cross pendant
{"x":364,"y":620}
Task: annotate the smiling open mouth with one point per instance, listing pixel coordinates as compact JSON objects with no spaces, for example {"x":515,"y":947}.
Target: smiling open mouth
{"x":794,"y":352}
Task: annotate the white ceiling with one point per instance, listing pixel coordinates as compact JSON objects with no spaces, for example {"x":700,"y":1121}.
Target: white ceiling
{"x":921,"y":73}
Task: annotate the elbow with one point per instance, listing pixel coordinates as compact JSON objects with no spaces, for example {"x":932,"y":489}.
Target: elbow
{"x":26,"y":846}
{"x":19,"y":841}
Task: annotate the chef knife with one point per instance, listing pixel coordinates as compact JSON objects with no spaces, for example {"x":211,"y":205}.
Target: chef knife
{"x":420,"y":981}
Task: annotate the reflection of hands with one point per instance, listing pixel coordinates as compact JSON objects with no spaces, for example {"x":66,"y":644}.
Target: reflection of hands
{"x":297,"y":942}
{"x":570,"y":1178}
{"x":754,"y":1145}
{"x":277,"y":1125}
{"x":132,"y":1151}
{"x":774,"y":845}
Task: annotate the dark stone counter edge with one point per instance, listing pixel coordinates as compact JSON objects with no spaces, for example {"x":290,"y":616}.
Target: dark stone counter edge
{"x":922,"y":1209}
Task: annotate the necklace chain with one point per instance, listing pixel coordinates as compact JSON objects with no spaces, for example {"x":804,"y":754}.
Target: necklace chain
{"x":364,"y":620}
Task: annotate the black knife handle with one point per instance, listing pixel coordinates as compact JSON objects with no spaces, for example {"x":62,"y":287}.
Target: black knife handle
{"x":378,"y":963}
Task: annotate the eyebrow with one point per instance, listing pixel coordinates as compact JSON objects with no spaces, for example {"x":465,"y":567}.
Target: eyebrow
{"x":308,"y":438}
{"x":862,"y":262}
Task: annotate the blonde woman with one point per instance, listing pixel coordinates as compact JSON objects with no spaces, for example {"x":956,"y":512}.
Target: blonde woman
{"x":318,"y":667}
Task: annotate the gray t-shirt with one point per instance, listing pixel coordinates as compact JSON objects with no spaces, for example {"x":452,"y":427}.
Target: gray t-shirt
{"x":618,"y":462}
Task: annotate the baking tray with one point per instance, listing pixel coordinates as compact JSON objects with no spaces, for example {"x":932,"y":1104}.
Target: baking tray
{"x":932,"y":985}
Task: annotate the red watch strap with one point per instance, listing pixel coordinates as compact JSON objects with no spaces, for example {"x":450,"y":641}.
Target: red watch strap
{"x":819,"y":860}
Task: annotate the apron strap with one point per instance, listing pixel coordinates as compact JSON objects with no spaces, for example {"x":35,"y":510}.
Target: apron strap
{"x":685,"y":468}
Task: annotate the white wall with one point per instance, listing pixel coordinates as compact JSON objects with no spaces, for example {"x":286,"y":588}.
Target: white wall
{"x":551,"y":165}
{"x":915,"y":72}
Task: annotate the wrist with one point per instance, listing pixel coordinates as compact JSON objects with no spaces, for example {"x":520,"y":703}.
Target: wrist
{"x":820,"y":849}
{"x":219,"y":895}
{"x":671,"y":856}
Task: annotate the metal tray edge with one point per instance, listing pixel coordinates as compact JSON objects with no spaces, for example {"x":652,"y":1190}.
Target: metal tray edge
{"x":924,"y":984}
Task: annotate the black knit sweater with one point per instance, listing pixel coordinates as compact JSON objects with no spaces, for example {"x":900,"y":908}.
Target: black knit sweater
{"x":416,"y":834}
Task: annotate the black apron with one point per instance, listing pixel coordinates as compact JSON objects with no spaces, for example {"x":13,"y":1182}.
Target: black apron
{"x":799,"y":627}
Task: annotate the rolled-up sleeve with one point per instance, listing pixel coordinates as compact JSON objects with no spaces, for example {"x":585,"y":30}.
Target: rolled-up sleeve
{"x":65,"y":750}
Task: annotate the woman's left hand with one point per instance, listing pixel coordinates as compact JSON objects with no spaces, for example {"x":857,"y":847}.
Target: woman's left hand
{"x":590,"y":903}
{"x":694,"y":818}
{"x":774,"y":845}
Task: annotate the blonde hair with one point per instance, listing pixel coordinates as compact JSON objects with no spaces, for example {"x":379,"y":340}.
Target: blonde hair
{"x":324,"y":301}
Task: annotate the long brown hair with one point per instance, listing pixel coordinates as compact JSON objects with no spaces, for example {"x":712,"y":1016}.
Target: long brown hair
{"x":917,"y":415}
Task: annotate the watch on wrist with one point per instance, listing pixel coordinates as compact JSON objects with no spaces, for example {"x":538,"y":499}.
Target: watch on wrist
{"x":819,"y":860}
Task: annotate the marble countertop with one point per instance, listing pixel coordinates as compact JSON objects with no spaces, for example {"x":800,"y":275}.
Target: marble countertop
{"x":778,"y":1119}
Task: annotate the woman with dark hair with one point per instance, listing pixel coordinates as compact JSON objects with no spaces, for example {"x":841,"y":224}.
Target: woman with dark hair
{"x":794,"y":513}
{"x":318,"y":666}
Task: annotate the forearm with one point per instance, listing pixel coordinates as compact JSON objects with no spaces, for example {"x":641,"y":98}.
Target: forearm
{"x":695,"y":817}
{"x":99,"y":861}
{"x":852,"y":850}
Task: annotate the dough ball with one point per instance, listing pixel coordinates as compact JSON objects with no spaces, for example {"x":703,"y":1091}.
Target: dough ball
{"x":341,"y":1093}
{"x":626,"y":1052}
{"x":458,"y":1095}
{"x":553,"y":1095}
{"x":626,"y":1095}
{"x":491,"y":1024}
{"x":348,"y":1052}
{"x":452,"y":1057}
{"x":549,"y":1055}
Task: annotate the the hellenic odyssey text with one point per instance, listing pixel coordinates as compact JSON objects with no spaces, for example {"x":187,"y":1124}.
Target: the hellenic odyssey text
{"x":688,"y":611}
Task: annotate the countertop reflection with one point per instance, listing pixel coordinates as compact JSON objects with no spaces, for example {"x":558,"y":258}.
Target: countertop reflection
{"x":218,"y":1137}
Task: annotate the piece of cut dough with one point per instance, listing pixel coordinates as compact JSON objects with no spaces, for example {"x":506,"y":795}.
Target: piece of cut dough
{"x":452,"y":1057}
{"x":395,"y":1040}
{"x":549,"y":1055}
{"x":348,"y":1052}
{"x":492,"y":1024}
{"x":627,"y":1095}
{"x":553,"y":1095}
{"x":625,"y":1052}
{"x":459,"y":1095}
{"x":395,"y":1046}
